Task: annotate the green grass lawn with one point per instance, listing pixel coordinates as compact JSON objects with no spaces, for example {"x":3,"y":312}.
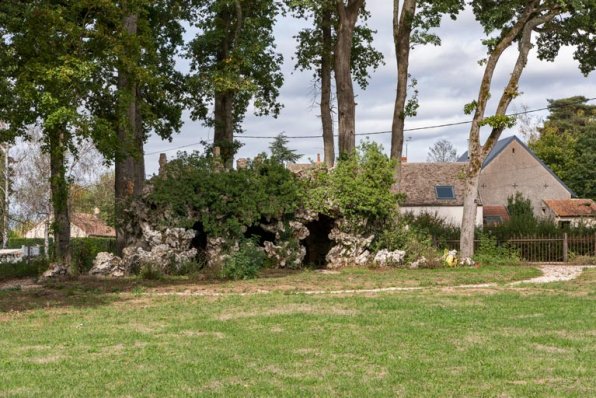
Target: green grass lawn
{"x":119,"y":341}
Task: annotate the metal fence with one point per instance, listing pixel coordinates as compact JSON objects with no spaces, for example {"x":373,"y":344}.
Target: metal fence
{"x":543,"y":249}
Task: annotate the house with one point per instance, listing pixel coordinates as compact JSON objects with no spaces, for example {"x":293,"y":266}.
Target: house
{"x":571,"y":212}
{"x":81,"y":226}
{"x":495,"y":215}
{"x":512,"y":167}
{"x":436,"y":188}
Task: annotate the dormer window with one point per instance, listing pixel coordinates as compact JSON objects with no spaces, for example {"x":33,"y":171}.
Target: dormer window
{"x":445,"y":192}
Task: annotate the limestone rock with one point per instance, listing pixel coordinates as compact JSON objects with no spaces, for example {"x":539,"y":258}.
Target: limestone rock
{"x":386,"y":258}
{"x":300,"y":230}
{"x":286,"y":254}
{"x":55,"y":271}
{"x":349,"y":250}
{"x":108,"y":265}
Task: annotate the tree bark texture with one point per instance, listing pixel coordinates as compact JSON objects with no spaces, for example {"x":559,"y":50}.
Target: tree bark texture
{"x":346,"y":104}
{"x":326,"y":119}
{"x":402,"y":30}
{"x":223,"y":111}
{"x":6,"y":199}
{"x":477,"y":153}
{"x":59,"y":188}
{"x":128,"y":169}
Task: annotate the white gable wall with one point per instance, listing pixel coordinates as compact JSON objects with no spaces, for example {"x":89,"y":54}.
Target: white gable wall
{"x":39,"y":231}
{"x":515,"y":169}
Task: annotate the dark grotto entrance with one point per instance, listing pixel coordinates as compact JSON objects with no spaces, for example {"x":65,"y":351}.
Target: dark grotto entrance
{"x":318,"y":244}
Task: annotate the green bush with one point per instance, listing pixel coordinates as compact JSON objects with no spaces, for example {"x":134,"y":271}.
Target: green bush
{"x":23,"y":269}
{"x":490,"y":253}
{"x":244,"y":263}
{"x":225,"y":201}
{"x":359,"y":187}
{"x":433,"y":225}
{"x":84,"y":251}
{"x":151,"y":273}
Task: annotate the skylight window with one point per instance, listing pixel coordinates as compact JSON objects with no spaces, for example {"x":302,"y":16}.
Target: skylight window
{"x":445,"y":192}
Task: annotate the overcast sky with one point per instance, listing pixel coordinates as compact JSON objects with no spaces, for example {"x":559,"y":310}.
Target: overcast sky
{"x":448,"y":77}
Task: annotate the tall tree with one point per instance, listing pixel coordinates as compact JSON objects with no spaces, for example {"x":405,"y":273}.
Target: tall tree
{"x":411,"y":27}
{"x":566,"y":143}
{"x":442,"y":151}
{"x":48,"y":64}
{"x":4,"y":190}
{"x":233,"y":62}
{"x":139,"y":75}
{"x":347,"y":13}
{"x":280,"y":151}
{"x":554,"y":24}
{"x":315,"y":52}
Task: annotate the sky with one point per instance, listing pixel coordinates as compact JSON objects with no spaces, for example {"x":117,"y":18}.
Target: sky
{"x":448,"y":77}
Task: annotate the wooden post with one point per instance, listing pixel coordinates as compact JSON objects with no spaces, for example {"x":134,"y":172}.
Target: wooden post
{"x":565,"y":247}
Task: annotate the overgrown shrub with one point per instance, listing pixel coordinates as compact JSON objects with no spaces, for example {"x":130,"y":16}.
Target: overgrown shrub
{"x":491,"y":253}
{"x":358,"y":188}
{"x":84,"y":251}
{"x":196,"y":189}
{"x":150,"y":272}
{"x":244,"y":263}
{"x":22,"y":269}
{"x":433,"y":225}
{"x":399,"y":234}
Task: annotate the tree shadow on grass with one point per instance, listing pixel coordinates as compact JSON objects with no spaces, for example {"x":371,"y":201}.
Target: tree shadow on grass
{"x":85,"y":291}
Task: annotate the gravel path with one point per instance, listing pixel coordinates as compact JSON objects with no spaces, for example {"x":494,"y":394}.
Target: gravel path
{"x":550,"y":273}
{"x":556,"y":273}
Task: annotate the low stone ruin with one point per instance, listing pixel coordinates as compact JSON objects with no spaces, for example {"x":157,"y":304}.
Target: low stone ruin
{"x":55,"y":271}
{"x":386,"y":258}
{"x":108,"y":265}
{"x":165,"y":250}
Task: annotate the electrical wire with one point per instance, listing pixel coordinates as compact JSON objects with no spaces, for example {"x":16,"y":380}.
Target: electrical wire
{"x":382,"y":132}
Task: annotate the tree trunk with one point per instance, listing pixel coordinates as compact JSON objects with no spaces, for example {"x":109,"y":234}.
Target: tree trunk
{"x":60,"y":197}
{"x":223,"y":112}
{"x":326,"y":119}
{"x":346,"y":105}
{"x":46,"y":238}
{"x":469,"y":217}
{"x":6,"y":198}
{"x":224,"y":128}
{"x":402,"y":30}
{"x":478,"y":153}
{"x":127,"y":175}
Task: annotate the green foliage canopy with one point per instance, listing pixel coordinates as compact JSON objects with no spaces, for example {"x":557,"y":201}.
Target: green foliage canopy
{"x":359,"y":187}
{"x":234,"y":53}
{"x":226,"y":201}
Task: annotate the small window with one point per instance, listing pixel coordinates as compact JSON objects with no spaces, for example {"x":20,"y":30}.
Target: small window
{"x":513,"y":150}
{"x":445,"y":192}
{"x":493,"y":220}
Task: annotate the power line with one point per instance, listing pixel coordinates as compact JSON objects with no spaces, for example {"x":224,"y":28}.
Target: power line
{"x":294,"y":137}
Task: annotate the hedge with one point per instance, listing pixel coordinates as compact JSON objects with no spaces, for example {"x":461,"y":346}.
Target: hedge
{"x":83,"y":250}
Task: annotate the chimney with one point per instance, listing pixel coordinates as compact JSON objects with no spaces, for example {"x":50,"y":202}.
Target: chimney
{"x":404,"y":159}
{"x":96,"y":211}
{"x":318,"y":158}
{"x":163,"y":160}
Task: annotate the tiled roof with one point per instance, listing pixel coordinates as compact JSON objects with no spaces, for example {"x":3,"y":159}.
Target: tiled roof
{"x":419,"y":180}
{"x":572,"y":207}
{"x":495,"y":211}
{"x":92,"y":225}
